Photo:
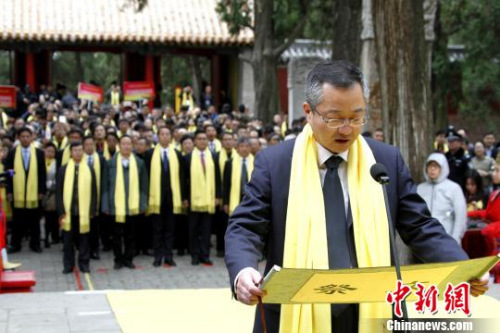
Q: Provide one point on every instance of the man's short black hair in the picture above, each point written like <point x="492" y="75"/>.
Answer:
<point x="24" y="129"/>
<point x="88" y="137"/>
<point x="112" y="134"/>
<point x="198" y="132"/>
<point x="76" y="131"/>
<point x="186" y="137"/>
<point x="163" y="127"/>
<point x="75" y="144"/>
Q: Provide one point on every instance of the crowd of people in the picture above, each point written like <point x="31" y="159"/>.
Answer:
<point x="124" y="177"/>
<point x="136" y="180"/>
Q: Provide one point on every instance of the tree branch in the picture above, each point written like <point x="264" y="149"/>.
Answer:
<point x="291" y="37"/>
<point x="244" y="58"/>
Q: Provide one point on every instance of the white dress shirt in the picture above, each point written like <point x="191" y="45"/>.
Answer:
<point x="323" y="155"/>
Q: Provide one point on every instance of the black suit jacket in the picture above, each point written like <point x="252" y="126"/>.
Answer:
<point x="166" y="189"/>
<point x="61" y="175"/>
<point x="42" y="171"/>
<point x="259" y="221"/>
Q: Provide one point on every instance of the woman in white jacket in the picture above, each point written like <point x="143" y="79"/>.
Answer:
<point x="444" y="197"/>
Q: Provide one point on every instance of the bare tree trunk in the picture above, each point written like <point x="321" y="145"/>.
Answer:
<point x="404" y="77"/>
<point x="264" y="62"/>
<point x="194" y="66"/>
<point x="79" y="67"/>
<point x="346" y="42"/>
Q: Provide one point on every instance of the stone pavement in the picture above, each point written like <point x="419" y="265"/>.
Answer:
<point x="57" y="305"/>
<point x="48" y="269"/>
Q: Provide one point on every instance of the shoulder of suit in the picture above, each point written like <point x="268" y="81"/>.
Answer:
<point x="278" y="151"/>
<point x="378" y="147"/>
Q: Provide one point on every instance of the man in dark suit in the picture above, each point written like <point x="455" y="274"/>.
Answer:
<point x="99" y="166"/>
<point x="335" y="108"/>
<point x="76" y="232"/>
<point x="200" y="218"/>
<point x="163" y="220"/>
<point x="26" y="213"/>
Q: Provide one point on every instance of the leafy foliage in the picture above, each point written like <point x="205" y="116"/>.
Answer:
<point x="4" y="67"/>
<point x="473" y="24"/>
<point x="236" y="13"/>
<point x="102" y="68"/>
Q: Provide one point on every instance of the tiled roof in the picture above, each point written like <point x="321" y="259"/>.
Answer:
<point x="161" y="21"/>
<point x="306" y="48"/>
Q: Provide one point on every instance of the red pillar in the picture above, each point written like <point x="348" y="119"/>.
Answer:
<point x="216" y="79"/>
<point x="30" y="71"/>
<point x="149" y="74"/>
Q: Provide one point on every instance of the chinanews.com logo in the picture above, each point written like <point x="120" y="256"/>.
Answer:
<point x="456" y="299"/>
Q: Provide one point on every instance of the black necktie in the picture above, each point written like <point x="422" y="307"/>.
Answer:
<point x="74" y="208"/>
<point x="244" y="177"/>
<point x="165" y="162"/>
<point x="336" y="222"/>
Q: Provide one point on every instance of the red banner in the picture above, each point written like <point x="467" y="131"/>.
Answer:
<point x="8" y="97"/>
<point x="136" y="91"/>
<point x="89" y="92"/>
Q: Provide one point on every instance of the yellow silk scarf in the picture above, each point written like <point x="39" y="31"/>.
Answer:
<point x="63" y="144"/>
<point x="134" y="189"/>
<point x="202" y="183"/>
<point x="234" y="195"/>
<point x="25" y="195"/>
<point x="3" y="194"/>
<point x="223" y="159"/>
<point x="66" y="155"/>
<point x="305" y="236"/>
<point x="115" y="98"/>
<point x="106" y="154"/>
<point x="5" y="121"/>
<point x="155" y="181"/>
<point x="218" y="145"/>
<point x="84" y="195"/>
<point x="97" y="171"/>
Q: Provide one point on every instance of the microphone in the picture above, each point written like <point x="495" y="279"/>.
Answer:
<point x="378" y="172"/>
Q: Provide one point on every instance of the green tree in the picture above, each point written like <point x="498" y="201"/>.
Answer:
<point x="73" y="67"/>
<point x="4" y="67"/>
<point x="276" y="25"/>
<point x="474" y="81"/>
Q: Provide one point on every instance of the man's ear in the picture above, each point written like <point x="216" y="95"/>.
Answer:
<point x="307" y="110"/>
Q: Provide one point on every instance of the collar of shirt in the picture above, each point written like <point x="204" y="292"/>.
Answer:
<point x="163" y="150"/>
<point x="324" y="154"/>
<point x="89" y="156"/>
<point x="125" y="162"/>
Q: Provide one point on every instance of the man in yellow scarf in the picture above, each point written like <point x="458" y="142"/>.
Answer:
<point x="125" y="196"/>
<point x="311" y="203"/>
<point x="204" y="195"/>
<point x="167" y="195"/>
<point x="237" y="174"/>
<point x="214" y="144"/>
<point x="59" y="132"/>
<point x="221" y="217"/>
<point x="25" y="190"/>
<point x="76" y="198"/>
<point x="99" y="166"/>
<point x="63" y="156"/>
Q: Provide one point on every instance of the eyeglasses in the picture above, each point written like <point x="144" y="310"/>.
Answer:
<point x="339" y="122"/>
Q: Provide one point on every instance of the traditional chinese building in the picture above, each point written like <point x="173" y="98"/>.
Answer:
<point x="32" y="30"/>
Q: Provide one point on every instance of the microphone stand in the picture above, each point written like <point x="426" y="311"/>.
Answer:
<point x="384" y="180"/>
